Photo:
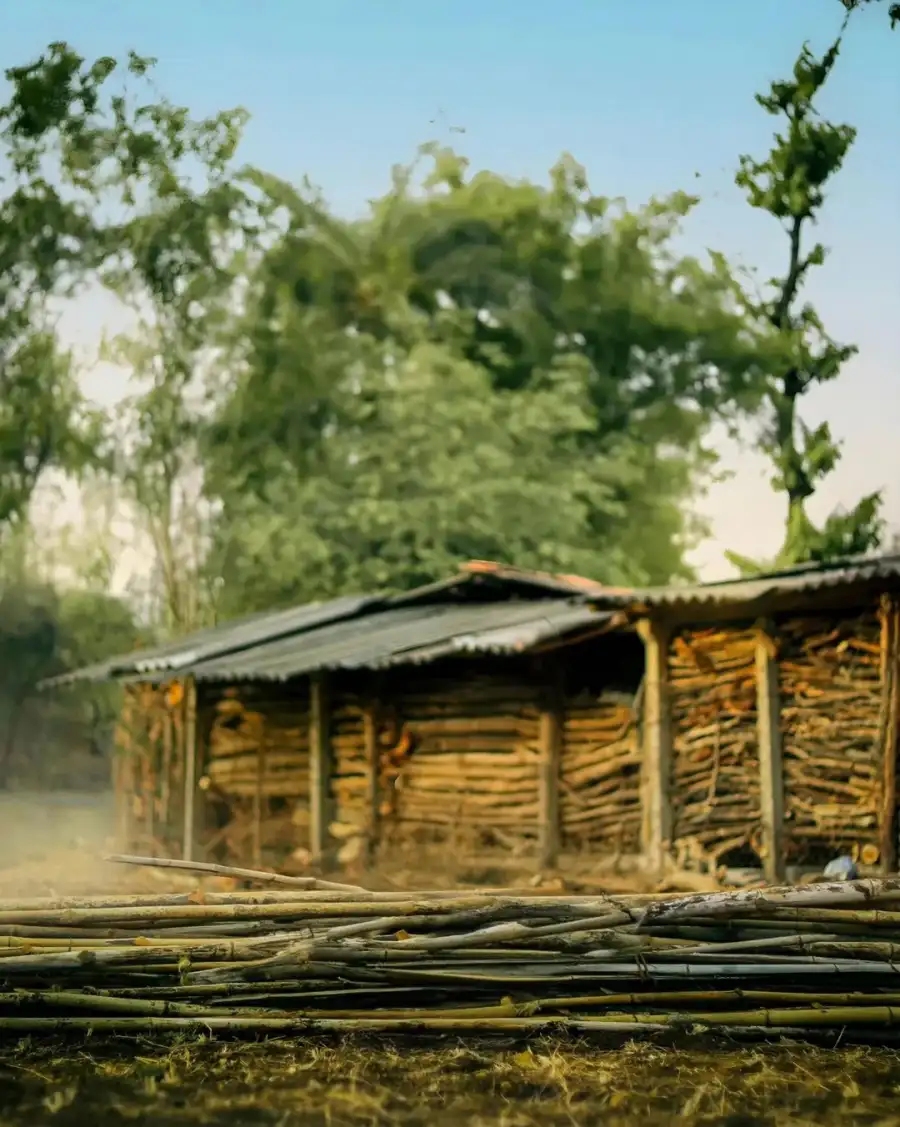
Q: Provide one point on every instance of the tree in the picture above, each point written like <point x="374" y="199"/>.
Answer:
<point x="510" y="284"/>
<point x="790" y="185"/>
<point x="83" y="162"/>
<point x="45" y="631"/>
<point x="430" y="466"/>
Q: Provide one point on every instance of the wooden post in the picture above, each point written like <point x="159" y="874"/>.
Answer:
<point x="372" y="752"/>
<point x="889" y="613"/>
<point x="551" y="723"/>
<point x="259" y="802"/>
<point x="165" y="797"/>
<point x="771" y="771"/>
<point x="190" y="767"/>
<point x="656" y="789"/>
<point x="320" y="770"/>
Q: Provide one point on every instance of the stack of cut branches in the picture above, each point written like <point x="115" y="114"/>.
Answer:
<point x="474" y="756"/>
<point x="308" y="957"/>
<point x="831" y="698"/>
<point x="715" y="760"/>
<point x="600" y="800"/>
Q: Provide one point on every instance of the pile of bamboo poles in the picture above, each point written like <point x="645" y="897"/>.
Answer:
<point x="600" y="794"/>
<point x="715" y="761"/>
<point x="831" y="698"/>
<point x="309" y="957"/>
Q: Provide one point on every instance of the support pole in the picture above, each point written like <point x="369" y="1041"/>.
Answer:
<point x="656" y="788"/>
<point x="190" y="768"/>
<point x="889" y="612"/>
<point x="771" y="770"/>
<point x="370" y="740"/>
<point x="320" y="771"/>
<point x="551" y="723"/>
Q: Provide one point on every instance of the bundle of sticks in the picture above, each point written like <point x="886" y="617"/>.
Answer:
<point x="309" y="957"/>
<point x="474" y="757"/>
<point x="831" y="699"/>
<point x="260" y="736"/>
<point x="715" y="759"/>
<point x="600" y="799"/>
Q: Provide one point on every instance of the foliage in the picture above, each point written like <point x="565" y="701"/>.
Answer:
<point x="577" y="365"/>
<point x="76" y="147"/>
<point x="429" y="466"/>
<point x="43" y="633"/>
<point x="790" y="185"/>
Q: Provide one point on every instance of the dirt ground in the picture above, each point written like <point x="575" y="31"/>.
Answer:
<point x="285" y="1084"/>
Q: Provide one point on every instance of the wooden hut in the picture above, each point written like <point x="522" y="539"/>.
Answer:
<point x="495" y="710"/>
<point x="771" y="719"/>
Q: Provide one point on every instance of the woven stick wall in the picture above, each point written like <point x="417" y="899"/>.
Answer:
<point x="715" y="762"/>
<point x="600" y="796"/>
<point x="831" y="698"/>
<point x="256" y="763"/>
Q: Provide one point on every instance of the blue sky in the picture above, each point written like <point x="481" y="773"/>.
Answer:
<point x="645" y="93"/>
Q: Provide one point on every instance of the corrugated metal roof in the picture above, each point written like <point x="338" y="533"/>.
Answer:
<point x="405" y="635"/>
<point x="482" y="581"/>
<point x="231" y="637"/>
<point x="804" y="577"/>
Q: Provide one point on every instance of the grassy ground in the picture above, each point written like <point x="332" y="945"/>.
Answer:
<point x="288" y="1084"/>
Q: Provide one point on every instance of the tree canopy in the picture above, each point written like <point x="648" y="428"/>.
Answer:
<point x="479" y="367"/>
<point x="95" y="189"/>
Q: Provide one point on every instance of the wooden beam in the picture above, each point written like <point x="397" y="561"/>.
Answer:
<point x="656" y="782"/>
<point x="771" y="770"/>
<point x="889" y="612"/>
<point x="320" y="771"/>
<point x="551" y="730"/>
<point x="373" y="766"/>
<point x="190" y="769"/>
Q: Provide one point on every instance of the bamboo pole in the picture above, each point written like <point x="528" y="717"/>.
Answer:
<point x="890" y="687"/>
<point x="656" y="830"/>
<point x="190" y="768"/>
<point x="320" y="771"/>
<point x="771" y="772"/>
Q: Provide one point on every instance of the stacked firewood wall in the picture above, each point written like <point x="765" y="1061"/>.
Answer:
<point x="256" y="763"/>
<point x="460" y="759"/>
<point x="715" y="787"/>
<point x="148" y="770"/>
<point x="831" y="700"/>
<point x="600" y="786"/>
<point x="351" y="773"/>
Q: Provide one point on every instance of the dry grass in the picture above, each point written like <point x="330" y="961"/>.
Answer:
<point x="547" y="1084"/>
